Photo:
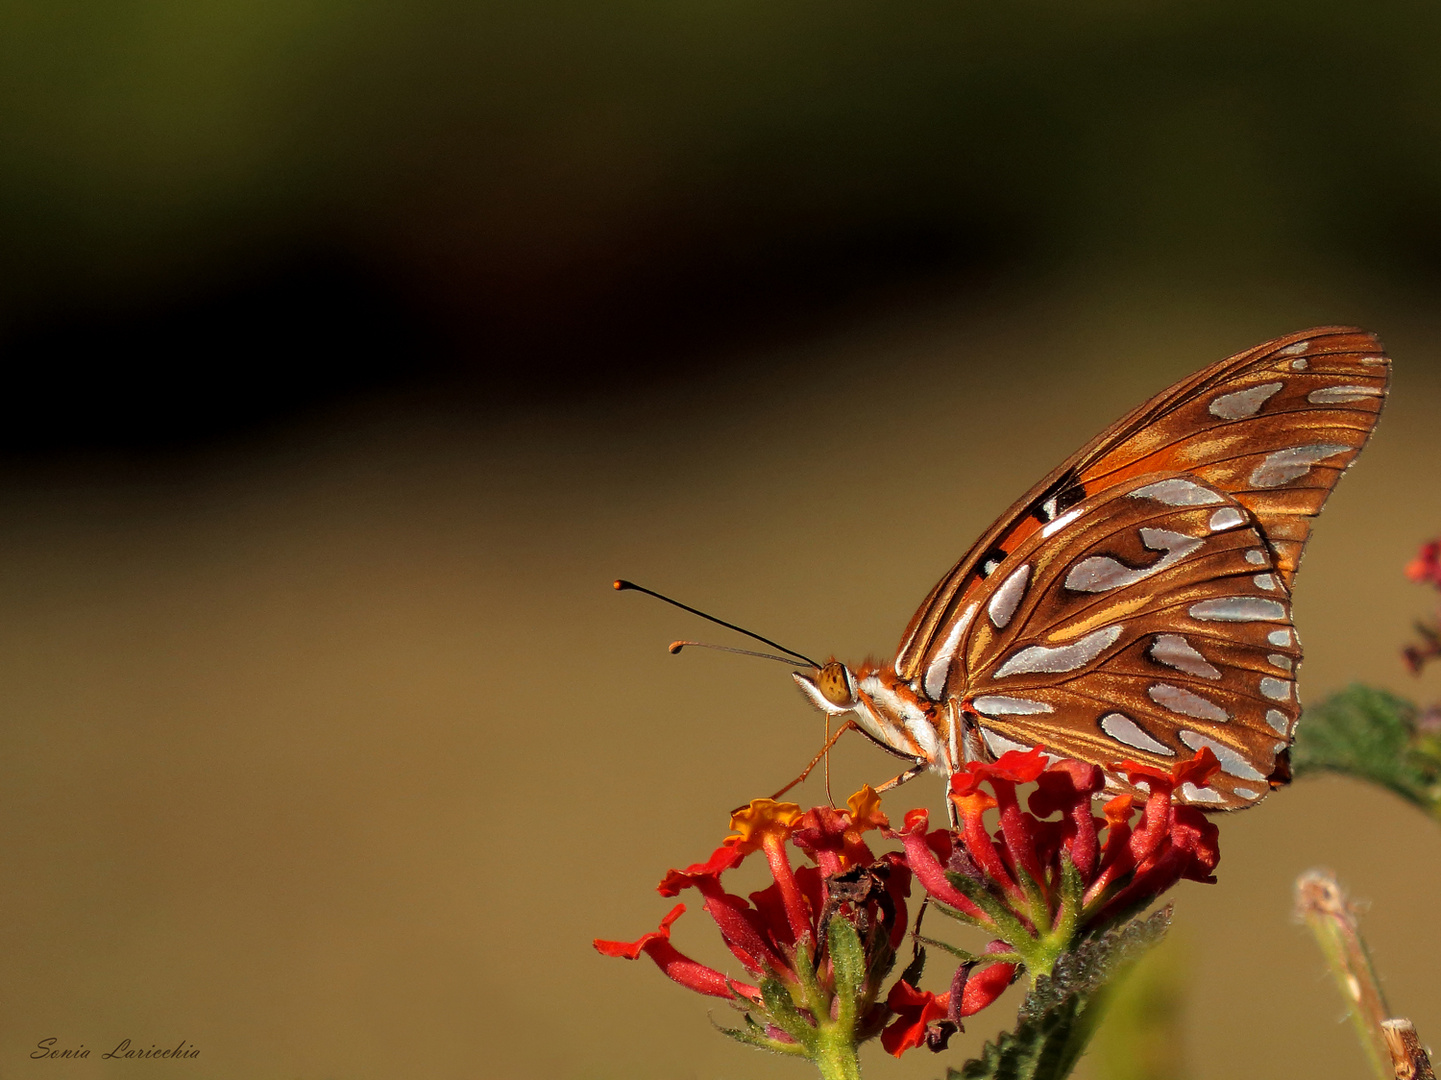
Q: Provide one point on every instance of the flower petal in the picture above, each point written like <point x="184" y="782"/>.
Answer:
<point x="702" y="875"/>
<point x="915" y="1010"/>
<point x="675" y="964"/>
<point x="763" y="818"/>
<point x="985" y="985"/>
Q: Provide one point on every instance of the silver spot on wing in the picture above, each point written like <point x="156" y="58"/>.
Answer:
<point x="1244" y="403"/>
<point x="999" y="744"/>
<point x="1256" y="557"/>
<point x="1007" y="598"/>
<point x="1191" y="793"/>
<point x="1001" y="705"/>
<point x="1101" y="573"/>
<point x="1281" y="661"/>
<point x="1246" y="793"/>
<point x="1276" y="689"/>
<point x="1228" y="517"/>
<point x="940" y="667"/>
<point x="1176" y="545"/>
<point x="1125" y="730"/>
<point x="1175" y="651"/>
<point x="1177" y="492"/>
<point x="1266" y="581"/>
<point x="1232" y="763"/>
<point x="1283" y="466"/>
<point x="1340" y="395"/>
<point x="1299" y="365"/>
<point x="1294" y="350"/>
<point x="1279" y="721"/>
<point x="1051" y="528"/>
<point x="1279" y="637"/>
<point x="1184" y="703"/>
<point x="1238" y="609"/>
<point x="1040" y="658"/>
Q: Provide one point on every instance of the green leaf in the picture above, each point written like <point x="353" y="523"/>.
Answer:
<point x="760" y="1040"/>
<point x="965" y="956"/>
<point x="1073" y="891"/>
<point x="782" y="1011"/>
<point x="1007" y="925"/>
<point x="1062" y="1010"/>
<point x="1372" y="735"/>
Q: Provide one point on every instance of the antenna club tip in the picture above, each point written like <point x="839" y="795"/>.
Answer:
<point x="619" y="584"/>
<point x="676" y="646"/>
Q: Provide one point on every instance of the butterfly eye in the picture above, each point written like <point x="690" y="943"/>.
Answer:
<point x="834" y="683"/>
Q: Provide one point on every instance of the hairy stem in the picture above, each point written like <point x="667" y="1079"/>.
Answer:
<point x="1322" y="905"/>
<point x="836" y="1057"/>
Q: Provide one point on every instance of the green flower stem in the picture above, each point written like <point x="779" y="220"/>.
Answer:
<point x="835" y="1056"/>
<point x="834" y="1049"/>
<point x="1039" y="954"/>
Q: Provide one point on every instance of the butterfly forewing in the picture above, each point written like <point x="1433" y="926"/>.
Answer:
<point x="1150" y="621"/>
<point x="1272" y="427"/>
<point x="1275" y="431"/>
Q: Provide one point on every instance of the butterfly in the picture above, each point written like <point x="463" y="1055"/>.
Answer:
<point x="1136" y="603"/>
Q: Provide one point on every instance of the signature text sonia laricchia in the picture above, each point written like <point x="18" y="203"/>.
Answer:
<point x="50" y="1048"/>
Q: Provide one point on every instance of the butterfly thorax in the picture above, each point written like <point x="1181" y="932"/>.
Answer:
<point x="885" y="707"/>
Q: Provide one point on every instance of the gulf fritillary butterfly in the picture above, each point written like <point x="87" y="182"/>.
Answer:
<point x="1136" y="602"/>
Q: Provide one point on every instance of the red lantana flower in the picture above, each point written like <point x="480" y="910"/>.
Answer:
<point x="1425" y="569"/>
<point x="927" y="1019"/>
<point x="817" y="943"/>
<point x="1049" y="874"/>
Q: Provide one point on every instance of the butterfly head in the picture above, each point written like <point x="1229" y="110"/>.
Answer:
<point x="883" y="707"/>
<point x="832" y="689"/>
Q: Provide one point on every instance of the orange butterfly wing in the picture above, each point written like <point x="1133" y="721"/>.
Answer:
<point x="1150" y="623"/>
<point x="1272" y="427"/>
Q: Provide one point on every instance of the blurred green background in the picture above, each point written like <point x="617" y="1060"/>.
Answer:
<point x="308" y="198"/>
<point x="353" y="349"/>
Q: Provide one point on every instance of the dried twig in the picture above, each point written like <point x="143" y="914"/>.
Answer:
<point x="1408" y="1056"/>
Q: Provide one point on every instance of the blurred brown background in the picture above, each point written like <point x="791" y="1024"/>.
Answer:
<point x="353" y="349"/>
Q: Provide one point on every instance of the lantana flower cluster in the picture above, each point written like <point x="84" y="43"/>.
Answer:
<point x="819" y="942"/>
<point x="1049" y="875"/>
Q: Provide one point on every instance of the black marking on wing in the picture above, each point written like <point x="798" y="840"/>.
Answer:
<point x="1058" y="497"/>
<point x="991" y="560"/>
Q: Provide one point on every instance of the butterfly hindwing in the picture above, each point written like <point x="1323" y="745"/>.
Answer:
<point x="1272" y="427"/>
<point x="1146" y="622"/>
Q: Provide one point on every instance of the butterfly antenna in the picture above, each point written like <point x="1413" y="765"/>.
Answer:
<point x="622" y="586"/>
<point x="677" y="646"/>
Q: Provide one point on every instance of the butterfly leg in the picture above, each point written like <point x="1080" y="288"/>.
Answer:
<point x="910" y="774"/>
<point x="817" y="759"/>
